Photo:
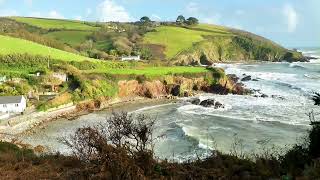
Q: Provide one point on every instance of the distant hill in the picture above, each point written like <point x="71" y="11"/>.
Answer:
<point x="10" y="45"/>
<point x="181" y="45"/>
<point x="56" y="23"/>
<point x="206" y="44"/>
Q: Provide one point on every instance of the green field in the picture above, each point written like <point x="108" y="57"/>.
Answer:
<point x="11" y="45"/>
<point x="55" y="24"/>
<point x="70" y="37"/>
<point x="177" y="39"/>
<point x="151" y="71"/>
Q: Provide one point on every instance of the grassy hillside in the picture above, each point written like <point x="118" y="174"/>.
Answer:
<point x="56" y="24"/>
<point x="150" y="71"/>
<point x="11" y="45"/>
<point x="205" y="44"/>
<point x="69" y="37"/>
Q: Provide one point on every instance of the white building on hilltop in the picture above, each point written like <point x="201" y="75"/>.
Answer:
<point x="130" y="58"/>
<point x="12" y="104"/>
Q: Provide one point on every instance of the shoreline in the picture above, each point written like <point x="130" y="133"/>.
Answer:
<point x="39" y="120"/>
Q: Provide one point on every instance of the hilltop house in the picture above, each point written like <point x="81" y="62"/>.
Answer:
<point x="130" y="58"/>
<point x="12" y="104"/>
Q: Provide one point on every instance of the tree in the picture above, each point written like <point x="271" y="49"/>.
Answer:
<point x="181" y="20"/>
<point x="145" y="20"/>
<point x="192" y="21"/>
<point x="316" y="99"/>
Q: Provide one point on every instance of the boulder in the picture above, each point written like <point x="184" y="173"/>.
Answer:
<point x="233" y="77"/>
<point x="278" y="97"/>
<point x="195" y="101"/>
<point x="264" y="96"/>
<point x="173" y="89"/>
<point x="246" y="78"/>
<point x="218" y="105"/>
<point x="208" y="103"/>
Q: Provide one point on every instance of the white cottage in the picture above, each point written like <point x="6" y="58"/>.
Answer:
<point x="12" y="104"/>
<point x="130" y="58"/>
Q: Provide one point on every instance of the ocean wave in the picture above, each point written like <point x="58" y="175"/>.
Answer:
<point x="296" y="66"/>
<point x="312" y="76"/>
<point x="151" y="107"/>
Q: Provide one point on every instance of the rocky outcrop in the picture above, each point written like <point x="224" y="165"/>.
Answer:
<point x="243" y="47"/>
<point x="246" y="78"/>
<point x="207" y="103"/>
<point x="178" y="86"/>
<point x="153" y="89"/>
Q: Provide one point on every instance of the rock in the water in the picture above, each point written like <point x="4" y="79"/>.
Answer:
<point x="264" y="96"/>
<point x="255" y="80"/>
<point x="218" y="105"/>
<point x="278" y="97"/>
<point x="195" y="101"/>
<point x="233" y="77"/>
<point x="208" y="103"/>
<point x="247" y="78"/>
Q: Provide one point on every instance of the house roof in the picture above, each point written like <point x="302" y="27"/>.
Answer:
<point x="10" y="99"/>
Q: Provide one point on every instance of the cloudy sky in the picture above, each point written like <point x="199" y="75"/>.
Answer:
<point x="292" y="23"/>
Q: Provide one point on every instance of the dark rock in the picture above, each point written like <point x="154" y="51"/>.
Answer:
<point x="278" y="97"/>
<point x="219" y="89"/>
<point x="173" y="89"/>
<point x="233" y="77"/>
<point x="239" y="89"/>
<point x="195" y="101"/>
<point x="218" y="105"/>
<point x="247" y="78"/>
<point x="264" y="96"/>
<point x="255" y="80"/>
<point x="208" y="103"/>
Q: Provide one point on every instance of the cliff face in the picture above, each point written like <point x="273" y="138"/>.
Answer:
<point x="177" y="86"/>
<point x="244" y="47"/>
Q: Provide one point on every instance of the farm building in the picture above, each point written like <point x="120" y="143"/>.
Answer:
<point x="130" y="58"/>
<point x="12" y="104"/>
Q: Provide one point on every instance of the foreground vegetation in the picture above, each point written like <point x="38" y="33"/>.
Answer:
<point x="122" y="149"/>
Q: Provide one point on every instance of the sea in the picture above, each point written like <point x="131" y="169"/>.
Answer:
<point x="248" y="124"/>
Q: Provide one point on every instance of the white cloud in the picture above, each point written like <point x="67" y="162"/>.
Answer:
<point x="291" y="17"/>
<point x="28" y="2"/>
<point x="88" y="12"/>
<point x="155" y="17"/>
<point x="192" y="7"/>
<point x="79" y="18"/>
<point x="54" y="15"/>
<point x="109" y="10"/>
<point x="212" y="19"/>
<point x="8" y="12"/>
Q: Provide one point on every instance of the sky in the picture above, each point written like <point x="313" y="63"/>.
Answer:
<point x="291" y="23"/>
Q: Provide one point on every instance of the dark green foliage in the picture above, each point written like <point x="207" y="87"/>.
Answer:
<point x="316" y="99"/>
<point x="192" y="21"/>
<point x="145" y="20"/>
<point x="180" y="20"/>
